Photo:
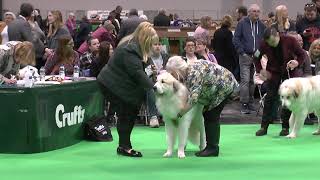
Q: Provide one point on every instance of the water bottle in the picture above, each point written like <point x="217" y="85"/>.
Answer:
<point x="28" y="82"/>
<point x="62" y="73"/>
<point x="76" y="71"/>
<point x="42" y="73"/>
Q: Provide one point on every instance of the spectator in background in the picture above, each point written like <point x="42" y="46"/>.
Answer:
<point x="103" y="33"/>
<point x="161" y="19"/>
<point x="156" y="63"/>
<point x="203" y="50"/>
<point x="38" y="19"/>
<point x="189" y="53"/>
<point x="56" y="30"/>
<point x="19" y="29"/>
<point x="309" y="26"/>
<point x="129" y="25"/>
<point x="114" y="21"/>
<point x="63" y="55"/>
<point x="117" y="13"/>
<point x="105" y="52"/>
<point x="317" y="3"/>
<point x="88" y="57"/>
<point x="223" y="47"/>
<point x="71" y="24"/>
<point x="38" y="39"/>
<point x="247" y="37"/>
<point x="271" y="19"/>
<point x="241" y="12"/>
<point x="314" y="53"/>
<point x="8" y="18"/>
<point x="13" y="55"/>
<point x="202" y="31"/>
<point x="305" y="68"/>
<point x="84" y="31"/>
<point x="283" y="24"/>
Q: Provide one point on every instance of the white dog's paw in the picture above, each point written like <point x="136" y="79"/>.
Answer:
<point x="181" y="154"/>
<point x="291" y="136"/>
<point x="317" y="132"/>
<point x="167" y="154"/>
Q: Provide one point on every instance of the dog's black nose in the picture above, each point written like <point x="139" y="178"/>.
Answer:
<point x="154" y="88"/>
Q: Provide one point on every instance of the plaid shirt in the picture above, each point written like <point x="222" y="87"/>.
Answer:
<point x="86" y="60"/>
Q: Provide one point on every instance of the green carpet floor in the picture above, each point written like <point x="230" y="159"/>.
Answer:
<point x="243" y="157"/>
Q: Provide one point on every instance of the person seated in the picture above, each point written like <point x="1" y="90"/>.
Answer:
<point x="189" y="53"/>
<point x="203" y="50"/>
<point x="63" y="55"/>
<point x="105" y="52"/>
<point x="156" y="63"/>
<point x="88" y="57"/>
<point x="13" y="55"/>
<point x="103" y="33"/>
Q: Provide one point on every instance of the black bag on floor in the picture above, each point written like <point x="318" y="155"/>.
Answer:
<point x="96" y="129"/>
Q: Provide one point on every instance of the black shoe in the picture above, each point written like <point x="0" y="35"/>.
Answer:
<point x="207" y="152"/>
<point x="261" y="132"/>
<point x="308" y="121"/>
<point x="128" y="152"/>
<point x="245" y="109"/>
<point x="284" y="132"/>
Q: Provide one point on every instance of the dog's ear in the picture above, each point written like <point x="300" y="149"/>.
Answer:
<point x="297" y="90"/>
<point x="175" y="86"/>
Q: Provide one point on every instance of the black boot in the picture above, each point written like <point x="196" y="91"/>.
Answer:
<point x="263" y="130"/>
<point x="213" y="138"/>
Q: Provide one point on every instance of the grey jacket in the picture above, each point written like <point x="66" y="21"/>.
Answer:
<point x="19" y="30"/>
<point x="52" y="42"/>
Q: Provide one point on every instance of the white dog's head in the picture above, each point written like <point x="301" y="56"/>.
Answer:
<point x="166" y="84"/>
<point x="289" y="91"/>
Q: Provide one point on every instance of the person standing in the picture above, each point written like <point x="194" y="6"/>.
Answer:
<point x="246" y="40"/>
<point x="124" y="82"/>
<point x="284" y="56"/>
<point x="161" y="19"/>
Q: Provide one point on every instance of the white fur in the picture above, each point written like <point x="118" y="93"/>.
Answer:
<point x="171" y="98"/>
<point x="301" y="96"/>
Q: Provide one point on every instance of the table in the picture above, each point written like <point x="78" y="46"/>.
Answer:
<point x="45" y="118"/>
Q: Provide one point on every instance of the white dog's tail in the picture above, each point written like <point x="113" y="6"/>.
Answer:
<point x="194" y="136"/>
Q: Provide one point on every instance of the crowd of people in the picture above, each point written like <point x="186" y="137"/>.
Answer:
<point x="126" y="55"/>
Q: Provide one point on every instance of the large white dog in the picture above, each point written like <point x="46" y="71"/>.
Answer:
<point x="301" y="96"/>
<point x="171" y="98"/>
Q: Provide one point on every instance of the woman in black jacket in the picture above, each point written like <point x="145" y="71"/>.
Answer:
<point x="223" y="47"/>
<point x="125" y="83"/>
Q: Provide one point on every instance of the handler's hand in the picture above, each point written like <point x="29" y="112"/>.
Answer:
<point x="264" y="75"/>
<point x="292" y="64"/>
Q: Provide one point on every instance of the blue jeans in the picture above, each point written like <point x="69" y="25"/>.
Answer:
<point x="151" y="103"/>
<point x="246" y="75"/>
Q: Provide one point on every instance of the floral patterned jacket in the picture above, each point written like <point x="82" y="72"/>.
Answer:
<point x="209" y="84"/>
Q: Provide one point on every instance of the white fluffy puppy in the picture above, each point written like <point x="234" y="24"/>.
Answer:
<point x="171" y="99"/>
<point x="301" y="96"/>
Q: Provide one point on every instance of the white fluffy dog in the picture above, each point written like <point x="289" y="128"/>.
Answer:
<point x="171" y="98"/>
<point x="301" y="96"/>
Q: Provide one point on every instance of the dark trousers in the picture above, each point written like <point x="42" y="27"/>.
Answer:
<point x="271" y="104"/>
<point x="127" y="114"/>
<point x="212" y="124"/>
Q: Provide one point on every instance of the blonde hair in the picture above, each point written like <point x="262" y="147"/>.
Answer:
<point x="311" y="49"/>
<point x="283" y="22"/>
<point x="58" y="22"/>
<point x="145" y="36"/>
<point x="227" y="21"/>
<point x="25" y="53"/>
<point x="206" y="22"/>
<point x="176" y="65"/>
